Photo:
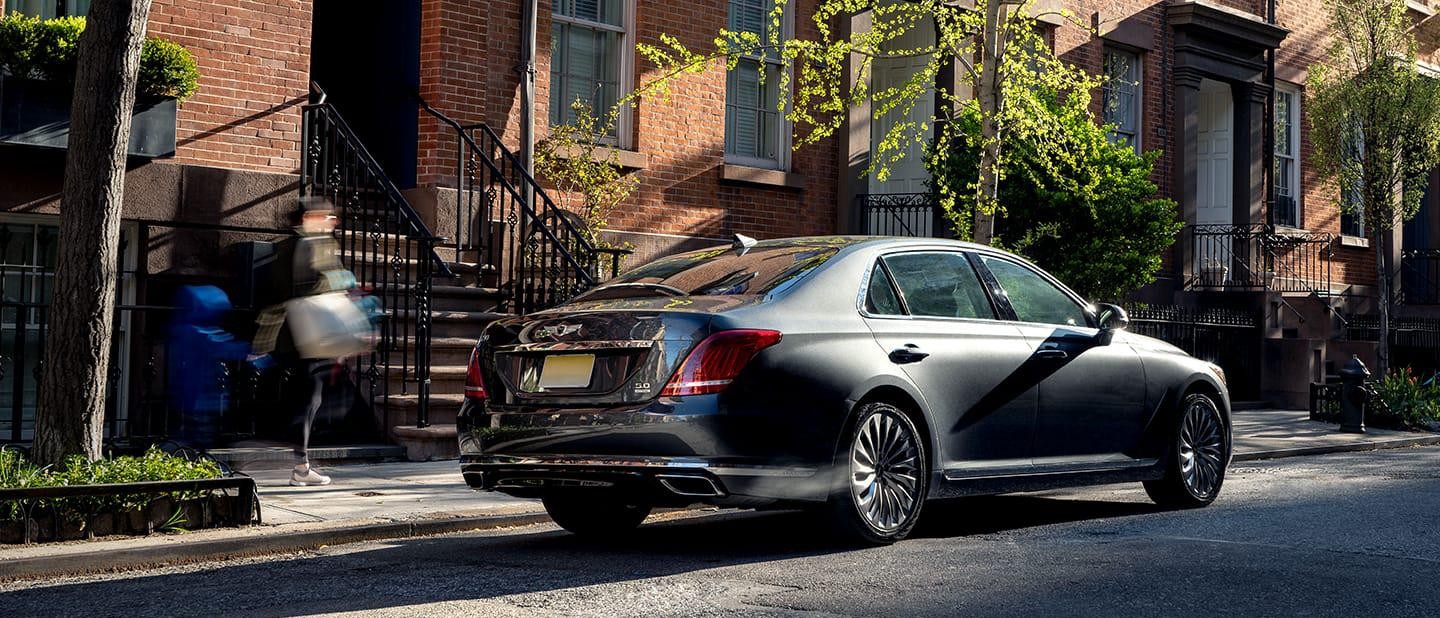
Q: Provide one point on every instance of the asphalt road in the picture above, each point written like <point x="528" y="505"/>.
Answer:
<point x="1351" y="534"/>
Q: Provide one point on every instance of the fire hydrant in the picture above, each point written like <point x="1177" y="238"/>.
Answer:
<point x="1353" y="394"/>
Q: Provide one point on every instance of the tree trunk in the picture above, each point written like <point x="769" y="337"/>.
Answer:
<point x="70" y="413"/>
<point x="1382" y="351"/>
<point x="988" y="93"/>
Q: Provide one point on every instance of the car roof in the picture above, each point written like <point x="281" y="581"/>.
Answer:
<point x="842" y="241"/>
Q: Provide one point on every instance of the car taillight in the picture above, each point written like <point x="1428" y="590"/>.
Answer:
<point x="715" y="362"/>
<point x="474" y="383"/>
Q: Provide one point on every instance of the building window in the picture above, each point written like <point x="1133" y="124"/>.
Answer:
<point x="590" y="58"/>
<point x="755" y="131"/>
<point x="1352" y="215"/>
<point x="1121" y="96"/>
<point x="46" y="9"/>
<point x="1287" y="157"/>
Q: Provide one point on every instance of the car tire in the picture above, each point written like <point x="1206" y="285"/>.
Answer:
<point x="594" y="513"/>
<point x="883" y="477"/>
<point x="1196" y="460"/>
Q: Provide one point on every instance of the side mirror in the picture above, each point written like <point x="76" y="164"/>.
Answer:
<point x="1112" y="317"/>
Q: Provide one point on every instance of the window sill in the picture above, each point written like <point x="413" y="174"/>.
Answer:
<point x="744" y="174"/>
<point x="1356" y="242"/>
<point x="627" y="159"/>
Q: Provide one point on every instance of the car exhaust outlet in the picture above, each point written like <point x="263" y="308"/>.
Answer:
<point x="685" y="485"/>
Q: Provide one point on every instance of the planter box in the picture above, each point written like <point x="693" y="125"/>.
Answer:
<point x="44" y="526"/>
<point x="37" y="113"/>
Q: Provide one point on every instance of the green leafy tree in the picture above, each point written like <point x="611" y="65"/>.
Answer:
<point x="1375" y="126"/>
<point x="816" y="94"/>
<point x="1081" y="206"/>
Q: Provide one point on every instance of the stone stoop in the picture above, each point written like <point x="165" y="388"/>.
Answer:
<point x="460" y="311"/>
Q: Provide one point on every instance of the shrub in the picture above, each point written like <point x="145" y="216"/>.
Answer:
<point x="18" y="39"/>
<point x="1409" y="402"/>
<point x="33" y="48"/>
<point x="167" y="70"/>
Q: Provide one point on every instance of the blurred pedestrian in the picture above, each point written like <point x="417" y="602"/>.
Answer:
<point x="195" y="357"/>
<point x="309" y="292"/>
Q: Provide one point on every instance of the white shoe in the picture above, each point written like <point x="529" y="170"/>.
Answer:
<point x="309" y="478"/>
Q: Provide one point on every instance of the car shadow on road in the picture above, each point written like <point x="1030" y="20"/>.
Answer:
<point x="465" y="567"/>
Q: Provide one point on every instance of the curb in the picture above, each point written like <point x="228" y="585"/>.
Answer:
<point x="112" y="560"/>
<point x="1338" y="448"/>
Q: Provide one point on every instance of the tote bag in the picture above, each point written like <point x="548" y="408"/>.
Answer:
<point x="329" y="325"/>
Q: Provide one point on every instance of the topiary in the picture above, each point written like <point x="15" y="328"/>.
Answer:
<point x="18" y="35"/>
<point x="167" y="70"/>
<point x="48" y="49"/>
<point x="57" y="48"/>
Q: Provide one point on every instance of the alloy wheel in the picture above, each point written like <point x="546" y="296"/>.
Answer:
<point x="1202" y="448"/>
<point x="885" y="472"/>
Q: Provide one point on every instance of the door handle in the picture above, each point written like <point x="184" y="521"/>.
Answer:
<point x="911" y="353"/>
<point x="1052" y="354"/>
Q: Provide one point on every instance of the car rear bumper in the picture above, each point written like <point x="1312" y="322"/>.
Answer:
<point x="669" y="451"/>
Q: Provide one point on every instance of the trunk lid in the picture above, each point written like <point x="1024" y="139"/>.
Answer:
<point x="598" y="354"/>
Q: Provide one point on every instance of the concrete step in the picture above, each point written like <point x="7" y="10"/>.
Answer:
<point x="404" y="409"/>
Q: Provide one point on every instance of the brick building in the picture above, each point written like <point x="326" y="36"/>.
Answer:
<point x="713" y="161"/>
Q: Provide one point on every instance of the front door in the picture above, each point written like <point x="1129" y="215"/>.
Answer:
<point x="940" y="329"/>
<point x="1214" y="181"/>
<point x="908" y="173"/>
<point x="1091" y="407"/>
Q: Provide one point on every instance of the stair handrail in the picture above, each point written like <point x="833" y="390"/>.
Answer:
<point x="419" y="231"/>
<point x="582" y="272"/>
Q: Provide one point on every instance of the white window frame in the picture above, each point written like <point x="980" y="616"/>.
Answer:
<point x="1296" y="189"/>
<point x="782" y="127"/>
<point x="1137" y="107"/>
<point x="625" y="49"/>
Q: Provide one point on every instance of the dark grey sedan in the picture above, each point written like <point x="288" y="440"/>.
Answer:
<point x="858" y="376"/>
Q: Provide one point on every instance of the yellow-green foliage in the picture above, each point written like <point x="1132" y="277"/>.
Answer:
<point x="821" y="96"/>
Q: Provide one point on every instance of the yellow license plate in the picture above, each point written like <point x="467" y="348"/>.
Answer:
<point x="567" y="371"/>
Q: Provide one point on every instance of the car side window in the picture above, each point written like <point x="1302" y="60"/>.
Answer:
<point x="880" y="297"/>
<point x="1032" y="296"/>
<point x="940" y="284"/>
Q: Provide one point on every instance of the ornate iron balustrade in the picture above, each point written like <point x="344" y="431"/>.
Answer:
<point x="538" y="251"/>
<point x="385" y="244"/>
<point x="1256" y="258"/>
<point x="1419" y="277"/>
<point x="901" y="214"/>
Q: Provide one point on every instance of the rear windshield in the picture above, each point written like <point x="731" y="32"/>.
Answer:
<point x="721" y="271"/>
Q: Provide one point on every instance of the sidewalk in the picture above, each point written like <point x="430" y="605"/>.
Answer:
<point x="396" y="500"/>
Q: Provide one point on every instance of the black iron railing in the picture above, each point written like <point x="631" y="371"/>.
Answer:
<point x="901" y="214"/>
<point x="539" y="252"/>
<point x="1226" y="337"/>
<point x="1419" y="277"/>
<point x="384" y="242"/>
<point x="1414" y="341"/>
<point x="1257" y="258"/>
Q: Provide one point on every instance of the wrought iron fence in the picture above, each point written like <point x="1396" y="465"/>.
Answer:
<point x="385" y="244"/>
<point x="901" y="214"/>
<point x="1414" y="342"/>
<point x="540" y="254"/>
<point x="1419" y="277"/>
<point x="1256" y="258"/>
<point x="1226" y="337"/>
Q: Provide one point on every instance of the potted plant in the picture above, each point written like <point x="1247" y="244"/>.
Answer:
<point x="37" y="72"/>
